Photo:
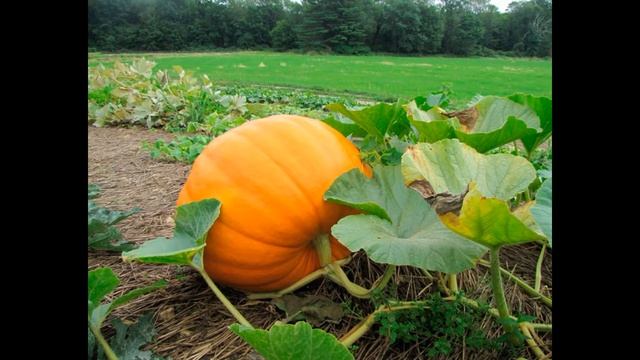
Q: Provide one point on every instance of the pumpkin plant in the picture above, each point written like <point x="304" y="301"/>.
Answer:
<point x="103" y="281"/>
<point x="278" y="202"/>
<point x="489" y="181"/>
<point x="487" y="123"/>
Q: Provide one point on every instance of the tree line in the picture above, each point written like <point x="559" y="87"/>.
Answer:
<point x="457" y="27"/>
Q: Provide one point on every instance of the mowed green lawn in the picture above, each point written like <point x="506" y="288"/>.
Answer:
<point x="378" y="76"/>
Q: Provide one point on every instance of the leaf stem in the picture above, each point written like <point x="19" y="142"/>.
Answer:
<point x="526" y="287"/>
<point x="494" y="312"/>
<point x="498" y="290"/>
<point x="538" y="280"/>
<point x="232" y="309"/>
<point x="337" y="275"/>
<point x="453" y="283"/>
<point x="427" y="274"/>
<point x="105" y="345"/>
<point x="295" y="286"/>
<point x="533" y="345"/>
<point x="365" y="325"/>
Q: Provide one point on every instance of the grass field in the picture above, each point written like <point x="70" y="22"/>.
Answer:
<point x="382" y="77"/>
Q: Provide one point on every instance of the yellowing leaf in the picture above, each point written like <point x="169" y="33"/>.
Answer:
<point x="489" y="221"/>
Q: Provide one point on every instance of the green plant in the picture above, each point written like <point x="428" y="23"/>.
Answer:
<point x="440" y="204"/>
<point x="183" y="149"/>
<point x="443" y="323"/>
<point x="128" y="340"/>
<point x="103" y="235"/>
<point x="101" y="96"/>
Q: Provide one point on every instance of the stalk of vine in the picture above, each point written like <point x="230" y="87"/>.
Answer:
<point x="498" y="291"/>
<point x="105" y="345"/>
<point x="227" y="304"/>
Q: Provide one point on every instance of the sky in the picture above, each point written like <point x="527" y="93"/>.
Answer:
<point x="501" y="4"/>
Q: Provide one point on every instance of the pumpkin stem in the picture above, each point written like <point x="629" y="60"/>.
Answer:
<point x="323" y="248"/>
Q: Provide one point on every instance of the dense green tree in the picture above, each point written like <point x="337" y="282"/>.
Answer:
<point x="529" y="27"/>
<point x="283" y="36"/>
<point x="333" y="25"/>
<point x="462" y="27"/>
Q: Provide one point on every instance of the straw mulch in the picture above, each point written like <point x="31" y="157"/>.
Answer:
<point x="192" y="324"/>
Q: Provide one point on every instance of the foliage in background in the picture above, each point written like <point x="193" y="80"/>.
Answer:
<point x="462" y="27"/>
<point x="183" y="149"/>
<point x="176" y="100"/>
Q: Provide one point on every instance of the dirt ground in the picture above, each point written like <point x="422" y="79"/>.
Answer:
<point x="192" y="324"/>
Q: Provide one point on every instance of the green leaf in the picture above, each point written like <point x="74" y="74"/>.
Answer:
<point x="403" y="229"/>
<point x="489" y="221"/>
<point x="449" y="166"/>
<point x="378" y="120"/>
<point x="494" y="121"/>
<point x="350" y="190"/>
<point x="314" y="308"/>
<point x="134" y="294"/>
<point x="193" y="222"/>
<point x="102" y="281"/>
<point x="97" y="316"/>
<point x="102" y="234"/>
<point x="512" y="130"/>
<point x="542" y="107"/>
<point x="431" y="125"/>
<point x="107" y="238"/>
<point x="128" y="340"/>
<point x="493" y="111"/>
<point x="541" y="211"/>
<point x="94" y="191"/>
<point x="299" y="342"/>
<point x="345" y="126"/>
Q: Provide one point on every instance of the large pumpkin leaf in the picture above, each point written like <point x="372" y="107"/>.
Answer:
<point x="378" y="120"/>
<point x="542" y="107"/>
<point x="403" y="229"/>
<point x="299" y="341"/>
<point x="193" y="222"/>
<point x="541" y="211"/>
<point x="449" y="166"/>
<point x="431" y="125"/>
<point x="494" y="121"/>
<point x="489" y="221"/>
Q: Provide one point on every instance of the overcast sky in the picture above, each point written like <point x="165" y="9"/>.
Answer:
<point x="501" y="4"/>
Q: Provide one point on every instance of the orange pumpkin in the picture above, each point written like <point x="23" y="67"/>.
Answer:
<point x="270" y="175"/>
